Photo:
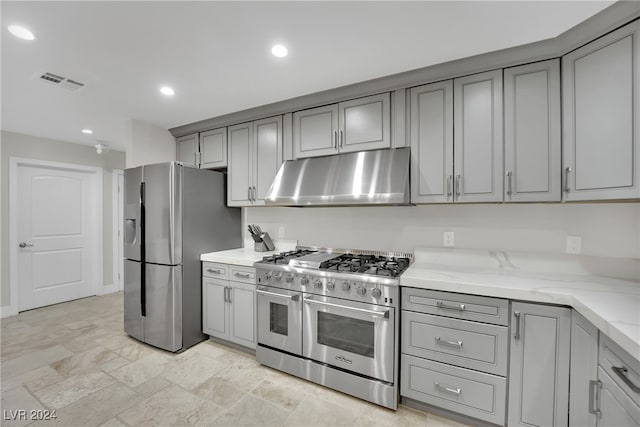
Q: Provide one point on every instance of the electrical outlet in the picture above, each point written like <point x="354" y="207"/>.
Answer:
<point x="574" y="245"/>
<point x="447" y="239"/>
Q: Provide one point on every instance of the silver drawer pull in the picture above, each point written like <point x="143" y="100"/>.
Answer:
<point x="295" y="297"/>
<point x="594" y="397"/>
<point x="245" y="275"/>
<point x="457" y="344"/>
<point x="385" y="314"/>
<point x="622" y="372"/>
<point x="459" y="307"/>
<point x="455" y="391"/>
<point x="214" y="270"/>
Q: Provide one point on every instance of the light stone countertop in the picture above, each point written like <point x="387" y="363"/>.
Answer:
<point x="612" y="305"/>
<point x="247" y="256"/>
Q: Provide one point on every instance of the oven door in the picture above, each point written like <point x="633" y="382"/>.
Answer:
<point x="280" y="319"/>
<point x="354" y="336"/>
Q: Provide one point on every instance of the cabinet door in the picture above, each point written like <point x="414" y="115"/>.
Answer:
<point x="240" y="176"/>
<point x="478" y="137"/>
<point x="616" y="408"/>
<point x="213" y="148"/>
<point x="315" y="132"/>
<point x="584" y="368"/>
<point x="187" y="149"/>
<point x="241" y="317"/>
<point x="432" y="143"/>
<point x="267" y="155"/>
<point x="214" y="308"/>
<point x="532" y="132"/>
<point x="601" y="91"/>
<point x="539" y="365"/>
<point x="364" y="123"/>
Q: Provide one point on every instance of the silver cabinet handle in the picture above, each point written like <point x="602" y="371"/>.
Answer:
<point x="334" y="137"/>
<point x="214" y="270"/>
<point x="622" y="372"/>
<point x="458" y="307"/>
<point x="384" y="314"/>
<point x="458" y="185"/>
<point x="228" y="294"/>
<point x="449" y="181"/>
<point x="594" y="397"/>
<point x="249" y="193"/>
<point x="567" y="171"/>
<point x="24" y="245"/>
<point x="455" y="391"/>
<point x="295" y="297"/>
<point x="195" y="158"/>
<point x="457" y="344"/>
<point x="516" y="333"/>
<point x="226" y="299"/>
<point x="341" y="138"/>
<point x="245" y="275"/>
<point x="254" y="194"/>
<point x="509" y="188"/>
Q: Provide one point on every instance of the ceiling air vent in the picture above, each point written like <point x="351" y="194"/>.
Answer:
<point x="63" y="82"/>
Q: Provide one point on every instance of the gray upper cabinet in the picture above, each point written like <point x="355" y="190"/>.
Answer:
<point x="478" y="143"/>
<point x="187" y="149"/>
<point x="431" y="135"/>
<point x="601" y="92"/>
<point x="213" y="149"/>
<point x="355" y="125"/>
<point x="584" y="371"/>
<point x="255" y="154"/>
<point x="539" y="365"/>
<point x="532" y="132"/>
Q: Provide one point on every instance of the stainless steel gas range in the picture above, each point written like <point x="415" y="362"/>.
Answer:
<point x="329" y="316"/>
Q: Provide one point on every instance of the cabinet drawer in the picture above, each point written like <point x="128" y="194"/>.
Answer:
<point x="242" y="274"/>
<point x="215" y="270"/>
<point x="467" y="392"/>
<point x="459" y="342"/>
<point x="460" y="306"/>
<point x="617" y="409"/>
<point x="621" y="367"/>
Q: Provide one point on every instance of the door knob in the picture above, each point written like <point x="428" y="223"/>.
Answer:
<point x="24" y="245"/>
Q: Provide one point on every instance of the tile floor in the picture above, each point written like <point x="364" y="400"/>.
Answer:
<point x="74" y="358"/>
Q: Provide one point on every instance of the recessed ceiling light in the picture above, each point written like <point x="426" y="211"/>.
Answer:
<point x="166" y="90"/>
<point x="279" y="51"/>
<point x="21" y="32"/>
<point x="87" y="131"/>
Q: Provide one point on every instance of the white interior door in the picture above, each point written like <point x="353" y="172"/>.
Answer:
<point x="56" y="216"/>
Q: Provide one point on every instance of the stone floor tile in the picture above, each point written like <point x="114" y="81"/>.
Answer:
<point x="251" y="411"/>
<point x="152" y="386"/>
<point x="279" y="393"/>
<point x="141" y="370"/>
<point x="30" y="361"/>
<point x="220" y="392"/>
<point x="317" y="412"/>
<point x="113" y="422"/>
<point x="193" y="370"/>
<point x="169" y="407"/>
<point x="82" y="362"/>
<point x="65" y="392"/>
<point x="27" y="377"/>
<point x="17" y="405"/>
<point x="377" y="416"/>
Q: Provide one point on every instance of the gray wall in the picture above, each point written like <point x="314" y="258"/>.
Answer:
<point x="32" y="147"/>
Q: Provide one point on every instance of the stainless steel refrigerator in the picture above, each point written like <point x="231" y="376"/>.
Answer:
<point x="173" y="213"/>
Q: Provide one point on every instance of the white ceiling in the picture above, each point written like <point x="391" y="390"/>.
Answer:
<point x="216" y="55"/>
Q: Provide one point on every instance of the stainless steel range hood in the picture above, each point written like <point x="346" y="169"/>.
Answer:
<point x="379" y="177"/>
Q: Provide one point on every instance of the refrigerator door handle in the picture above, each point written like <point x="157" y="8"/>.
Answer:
<point x="143" y="278"/>
<point x="172" y="215"/>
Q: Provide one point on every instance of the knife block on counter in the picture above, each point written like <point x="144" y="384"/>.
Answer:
<point x="265" y="245"/>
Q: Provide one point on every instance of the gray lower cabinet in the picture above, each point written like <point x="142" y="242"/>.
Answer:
<point x="354" y="125"/>
<point x="532" y="132"/>
<point x="255" y="155"/>
<point x="539" y="365"/>
<point x="478" y="144"/>
<point x="187" y="149"/>
<point x="229" y="305"/>
<point x="601" y="100"/>
<point x="584" y="371"/>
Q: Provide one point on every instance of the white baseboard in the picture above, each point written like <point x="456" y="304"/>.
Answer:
<point x="7" y="310"/>
<point x="109" y="289"/>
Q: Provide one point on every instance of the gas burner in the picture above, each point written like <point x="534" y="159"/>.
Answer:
<point x="367" y="264"/>
<point x="283" y="258"/>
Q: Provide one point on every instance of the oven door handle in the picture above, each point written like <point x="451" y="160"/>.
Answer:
<point x="385" y="314"/>
<point x="273" y="294"/>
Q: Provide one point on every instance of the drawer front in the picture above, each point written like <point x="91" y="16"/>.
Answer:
<point x="467" y="344"/>
<point x="215" y="270"/>
<point x="242" y="274"/>
<point x="617" y="409"/>
<point x="459" y="306"/>
<point x="467" y="392"/>
<point x="621" y="367"/>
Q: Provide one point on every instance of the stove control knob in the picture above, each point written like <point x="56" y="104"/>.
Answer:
<point x="331" y="285"/>
<point x="304" y="281"/>
<point x="376" y="292"/>
<point x="361" y="290"/>
<point x="278" y="277"/>
<point x="318" y="284"/>
<point x="268" y="275"/>
<point x="346" y="287"/>
<point x="289" y="278"/>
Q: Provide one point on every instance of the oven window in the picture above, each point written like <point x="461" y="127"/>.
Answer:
<point x="279" y="318"/>
<point x="346" y="333"/>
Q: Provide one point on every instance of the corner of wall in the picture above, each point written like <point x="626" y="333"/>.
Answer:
<point x="147" y="143"/>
